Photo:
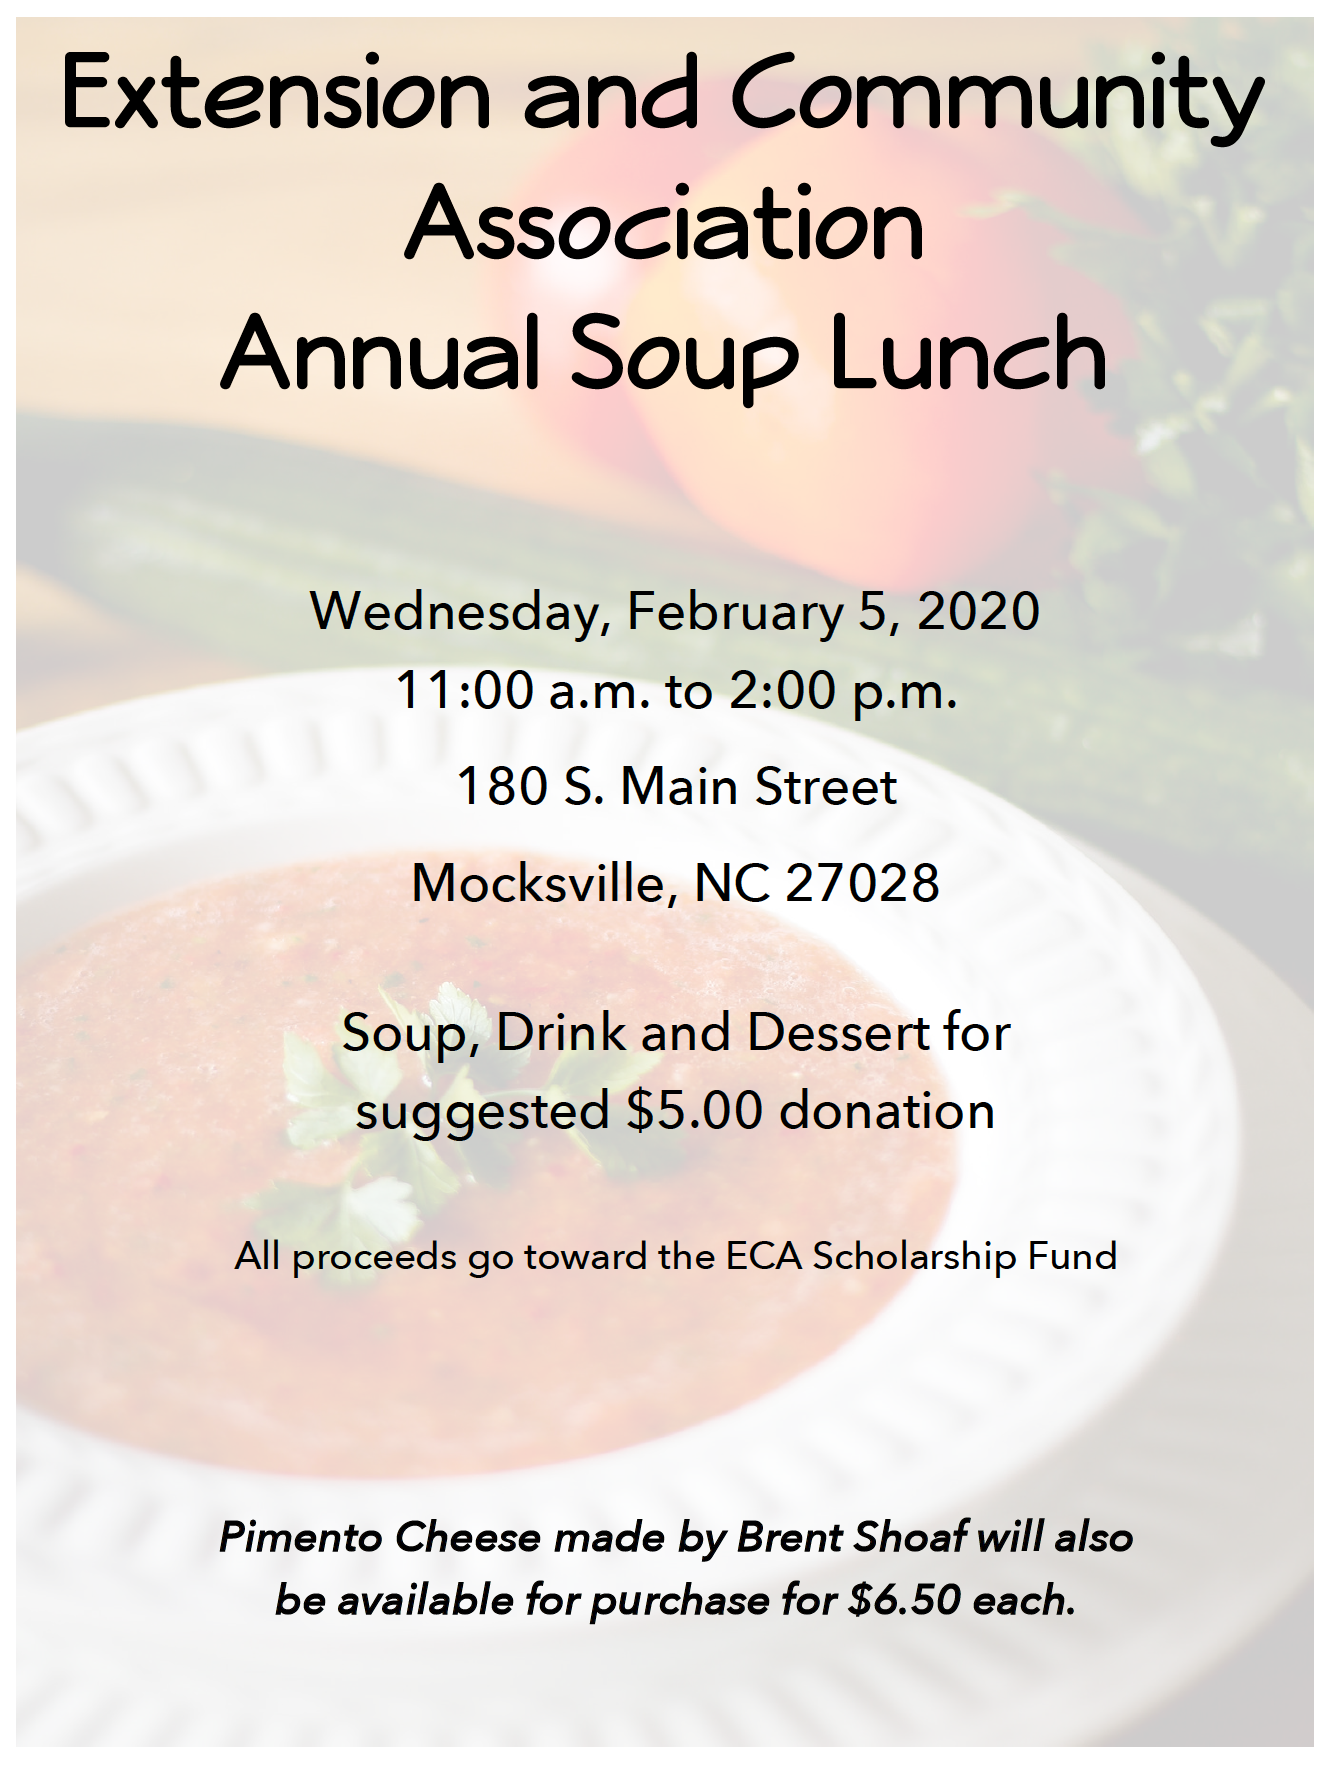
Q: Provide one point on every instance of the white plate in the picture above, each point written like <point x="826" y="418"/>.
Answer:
<point x="1119" y="1120"/>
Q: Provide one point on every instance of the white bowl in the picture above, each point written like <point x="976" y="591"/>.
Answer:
<point x="1118" y="1118"/>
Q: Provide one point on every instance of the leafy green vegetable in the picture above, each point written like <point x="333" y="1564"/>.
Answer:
<point x="406" y="1179"/>
<point x="616" y="1149"/>
<point x="1214" y="562"/>
<point x="331" y="1102"/>
<point x="375" y="1216"/>
<point x="577" y="1072"/>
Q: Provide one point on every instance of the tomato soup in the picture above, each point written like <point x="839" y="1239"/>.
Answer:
<point x="518" y="1311"/>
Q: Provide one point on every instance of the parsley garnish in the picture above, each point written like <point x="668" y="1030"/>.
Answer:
<point x="394" y="1181"/>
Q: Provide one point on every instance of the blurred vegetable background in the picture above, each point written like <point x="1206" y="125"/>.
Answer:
<point x="1213" y="563"/>
<point x="1162" y="706"/>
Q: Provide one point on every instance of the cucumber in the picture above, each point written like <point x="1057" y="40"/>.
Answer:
<point x="219" y="538"/>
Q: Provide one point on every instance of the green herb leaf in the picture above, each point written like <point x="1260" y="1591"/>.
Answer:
<point x="380" y="1212"/>
<point x="374" y="1217"/>
<point x="452" y="1006"/>
<point x="418" y="1022"/>
<point x="300" y="1212"/>
<point x="315" y="1128"/>
<point x="309" y="1082"/>
<point x="585" y="1071"/>
<point x="428" y="1177"/>
<point x="372" y="1073"/>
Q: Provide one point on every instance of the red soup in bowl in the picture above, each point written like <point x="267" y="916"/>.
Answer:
<point x="477" y="1257"/>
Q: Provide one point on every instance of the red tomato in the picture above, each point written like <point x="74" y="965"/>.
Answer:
<point x="886" y="488"/>
<point x="623" y="172"/>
